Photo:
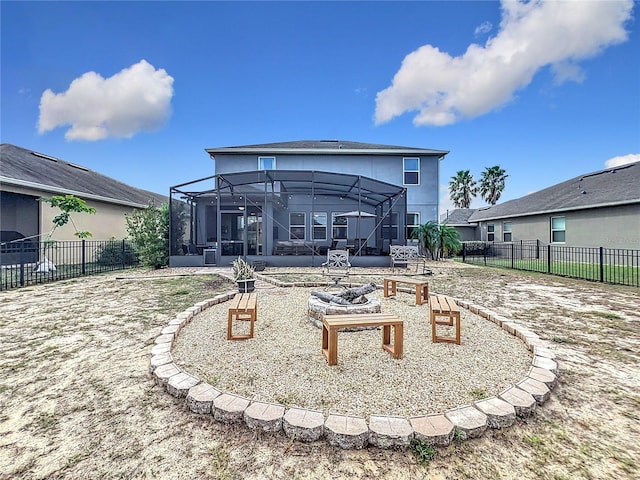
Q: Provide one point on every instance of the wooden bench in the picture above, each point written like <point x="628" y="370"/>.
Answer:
<point x="332" y="323"/>
<point x="422" y="287"/>
<point x="243" y="307"/>
<point x="443" y="306"/>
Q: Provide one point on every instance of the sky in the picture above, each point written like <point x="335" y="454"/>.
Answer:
<point x="138" y="90"/>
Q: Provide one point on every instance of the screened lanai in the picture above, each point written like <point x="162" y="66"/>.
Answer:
<point x="285" y="218"/>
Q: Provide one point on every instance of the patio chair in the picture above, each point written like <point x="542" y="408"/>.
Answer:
<point x="337" y="266"/>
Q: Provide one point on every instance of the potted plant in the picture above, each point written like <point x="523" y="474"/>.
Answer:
<point x="243" y="275"/>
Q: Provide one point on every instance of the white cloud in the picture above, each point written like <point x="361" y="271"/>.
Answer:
<point x="622" y="160"/>
<point x="532" y="35"/>
<point x="133" y="100"/>
<point x="483" y="28"/>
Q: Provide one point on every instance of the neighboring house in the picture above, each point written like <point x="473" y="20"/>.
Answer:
<point x="596" y="209"/>
<point x="26" y="176"/>
<point x="297" y="199"/>
<point x="459" y="219"/>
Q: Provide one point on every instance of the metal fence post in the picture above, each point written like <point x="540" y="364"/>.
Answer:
<point x="84" y="257"/>
<point x="464" y="252"/>
<point x="512" y="254"/>
<point x="123" y="256"/>
<point x="548" y="258"/>
<point x="21" y="264"/>
<point x="602" y="264"/>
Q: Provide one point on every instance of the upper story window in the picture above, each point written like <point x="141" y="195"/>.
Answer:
<point x="411" y="171"/>
<point x="558" y="229"/>
<point x="507" y="231"/>
<point x="491" y="232"/>
<point x="413" y="223"/>
<point x="266" y="163"/>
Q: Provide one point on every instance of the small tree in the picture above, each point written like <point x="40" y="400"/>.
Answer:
<point x="149" y="230"/>
<point x="68" y="204"/>
<point x="439" y="240"/>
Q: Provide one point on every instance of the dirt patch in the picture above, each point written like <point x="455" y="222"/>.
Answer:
<point x="77" y="400"/>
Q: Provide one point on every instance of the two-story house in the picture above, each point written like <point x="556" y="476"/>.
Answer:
<point x="289" y="202"/>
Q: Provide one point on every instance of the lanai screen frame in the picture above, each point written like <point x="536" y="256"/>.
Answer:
<point x="361" y="193"/>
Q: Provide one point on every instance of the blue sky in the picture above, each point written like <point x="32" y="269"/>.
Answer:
<point x="138" y="90"/>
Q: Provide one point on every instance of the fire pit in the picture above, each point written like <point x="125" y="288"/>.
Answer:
<point x="349" y="301"/>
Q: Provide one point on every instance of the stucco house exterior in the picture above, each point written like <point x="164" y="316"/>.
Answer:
<point x="459" y="219"/>
<point x="595" y="209"/>
<point x="26" y="176"/>
<point x="289" y="202"/>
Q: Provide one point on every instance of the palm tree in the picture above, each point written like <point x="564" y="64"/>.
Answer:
<point x="462" y="189"/>
<point x="492" y="184"/>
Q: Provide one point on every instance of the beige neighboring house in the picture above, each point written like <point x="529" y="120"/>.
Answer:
<point x="26" y="176"/>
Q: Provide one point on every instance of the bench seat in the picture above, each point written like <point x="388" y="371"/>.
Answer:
<point x="244" y="306"/>
<point x="422" y="287"/>
<point x="443" y="306"/>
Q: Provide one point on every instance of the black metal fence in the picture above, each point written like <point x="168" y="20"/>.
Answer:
<point x="30" y="262"/>
<point x="609" y="265"/>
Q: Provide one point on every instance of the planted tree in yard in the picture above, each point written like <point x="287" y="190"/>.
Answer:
<point x="492" y="184"/>
<point x="462" y="189"/>
<point x="149" y="230"/>
<point x="68" y="204"/>
<point x="439" y="240"/>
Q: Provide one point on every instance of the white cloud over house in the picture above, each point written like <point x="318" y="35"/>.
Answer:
<point x="622" y="160"/>
<point x="532" y="35"/>
<point x="136" y="99"/>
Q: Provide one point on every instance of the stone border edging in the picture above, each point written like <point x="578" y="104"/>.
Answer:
<point x="353" y="432"/>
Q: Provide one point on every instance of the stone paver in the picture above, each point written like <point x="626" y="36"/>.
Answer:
<point x="161" y="348"/>
<point x="537" y="389"/>
<point x="166" y="338"/>
<point x="346" y="431"/>
<point x="200" y="398"/>
<point x="174" y="329"/>
<point x="543" y="375"/>
<point x="544" y="352"/>
<point x="229" y="408"/>
<point x="522" y="401"/>
<point x="179" y="385"/>
<point x="500" y="414"/>
<point x="468" y="420"/>
<point x="387" y="432"/>
<point x="266" y="417"/>
<point x="160" y="359"/>
<point x="304" y="425"/>
<point x="163" y="373"/>
<point x="544" y="362"/>
<point x="433" y="429"/>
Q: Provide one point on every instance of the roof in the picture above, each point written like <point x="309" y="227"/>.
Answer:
<point x="459" y="217"/>
<point x="604" y="188"/>
<point x="26" y="168"/>
<point x="323" y="147"/>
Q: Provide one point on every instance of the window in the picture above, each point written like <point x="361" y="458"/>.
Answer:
<point x="491" y="232"/>
<point x="558" y="229"/>
<point x="339" y="228"/>
<point x="413" y="223"/>
<point x="266" y="163"/>
<point x="319" y="226"/>
<point x="507" y="234"/>
<point x="411" y="171"/>
<point x="297" y="225"/>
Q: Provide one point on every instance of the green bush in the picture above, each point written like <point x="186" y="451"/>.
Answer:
<point x="149" y="230"/>
<point x="111" y="254"/>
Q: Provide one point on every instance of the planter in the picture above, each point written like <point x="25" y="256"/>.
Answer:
<point x="246" y="286"/>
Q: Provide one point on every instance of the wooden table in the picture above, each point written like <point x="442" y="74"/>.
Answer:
<point x="244" y="306"/>
<point x="332" y="323"/>
<point x="443" y="306"/>
<point x="422" y="287"/>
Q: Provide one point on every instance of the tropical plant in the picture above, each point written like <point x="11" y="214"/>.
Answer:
<point x="116" y="252"/>
<point x="149" y="230"/>
<point x="438" y="240"/>
<point x="492" y="184"/>
<point x="462" y="189"/>
<point x="242" y="270"/>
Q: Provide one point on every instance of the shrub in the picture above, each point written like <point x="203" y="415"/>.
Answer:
<point x="111" y="254"/>
<point x="149" y="230"/>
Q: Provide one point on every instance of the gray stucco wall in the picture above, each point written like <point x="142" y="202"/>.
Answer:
<point x="611" y="227"/>
<point x="421" y="198"/>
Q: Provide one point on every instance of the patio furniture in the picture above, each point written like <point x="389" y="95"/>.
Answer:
<point x="405" y="255"/>
<point x="443" y="306"/>
<point x="337" y="265"/>
<point x="422" y="287"/>
<point x="244" y="306"/>
<point x="331" y="324"/>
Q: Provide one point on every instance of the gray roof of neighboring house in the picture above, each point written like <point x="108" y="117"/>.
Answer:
<point x="29" y="169"/>
<point x="609" y="187"/>
<point x="459" y="217"/>
<point x="322" y="147"/>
